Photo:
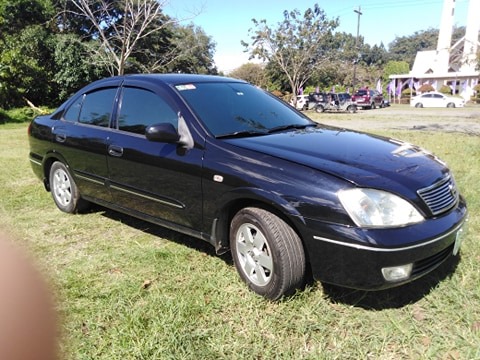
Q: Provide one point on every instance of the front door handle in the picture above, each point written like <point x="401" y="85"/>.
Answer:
<point x="115" y="150"/>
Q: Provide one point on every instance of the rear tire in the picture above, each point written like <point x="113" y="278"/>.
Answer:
<point x="352" y="109"/>
<point x="64" y="190"/>
<point x="267" y="252"/>
<point x="418" y="105"/>
<point x="319" y="108"/>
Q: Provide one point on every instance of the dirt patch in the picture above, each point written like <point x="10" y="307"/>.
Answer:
<point x="403" y="117"/>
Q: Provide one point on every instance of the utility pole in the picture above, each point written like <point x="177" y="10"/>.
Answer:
<point x="359" y="12"/>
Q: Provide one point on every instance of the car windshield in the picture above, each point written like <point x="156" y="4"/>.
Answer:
<point x="239" y="109"/>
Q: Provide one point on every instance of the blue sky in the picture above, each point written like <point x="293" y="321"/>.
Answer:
<point x="227" y="22"/>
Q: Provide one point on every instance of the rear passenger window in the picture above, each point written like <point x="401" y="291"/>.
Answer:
<point x="141" y="108"/>
<point x="97" y="107"/>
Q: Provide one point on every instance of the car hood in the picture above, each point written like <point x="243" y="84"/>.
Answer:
<point x="363" y="159"/>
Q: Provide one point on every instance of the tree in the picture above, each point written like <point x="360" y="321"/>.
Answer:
<point x="251" y="72"/>
<point x="395" y="67"/>
<point x="297" y="45"/>
<point x="120" y="26"/>
<point x="405" y="48"/>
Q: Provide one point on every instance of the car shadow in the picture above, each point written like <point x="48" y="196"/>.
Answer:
<point x="162" y="232"/>
<point x="396" y="297"/>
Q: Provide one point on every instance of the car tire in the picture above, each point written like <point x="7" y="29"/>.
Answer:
<point x="319" y="108"/>
<point x="450" y="105"/>
<point x="352" y="109"/>
<point x="64" y="190"/>
<point x="419" y="105"/>
<point x="267" y="253"/>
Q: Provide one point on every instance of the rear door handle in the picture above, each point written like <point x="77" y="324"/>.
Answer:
<point x="115" y="150"/>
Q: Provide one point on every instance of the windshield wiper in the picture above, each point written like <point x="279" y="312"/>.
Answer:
<point x="242" y="133"/>
<point x="289" y="126"/>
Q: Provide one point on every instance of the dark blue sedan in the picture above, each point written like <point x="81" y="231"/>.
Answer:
<point x="221" y="160"/>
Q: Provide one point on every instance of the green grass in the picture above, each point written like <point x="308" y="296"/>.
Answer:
<point x="127" y="289"/>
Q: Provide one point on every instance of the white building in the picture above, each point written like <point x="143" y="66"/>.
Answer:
<point x="451" y="65"/>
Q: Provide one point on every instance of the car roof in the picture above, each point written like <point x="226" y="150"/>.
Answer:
<point x="173" y="79"/>
<point x="167" y="79"/>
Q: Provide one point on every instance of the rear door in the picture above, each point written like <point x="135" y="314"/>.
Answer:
<point x="159" y="180"/>
<point x="81" y="139"/>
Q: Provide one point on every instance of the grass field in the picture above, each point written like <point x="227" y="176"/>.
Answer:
<point x="127" y="289"/>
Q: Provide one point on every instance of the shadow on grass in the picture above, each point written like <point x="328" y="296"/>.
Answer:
<point x="162" y="232"/>
<point x="396" y="297"/>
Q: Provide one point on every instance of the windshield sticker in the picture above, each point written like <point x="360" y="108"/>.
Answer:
<point x="185" y="87"/>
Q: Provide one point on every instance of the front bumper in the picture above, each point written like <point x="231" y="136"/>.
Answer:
<point x="354" y="257"/>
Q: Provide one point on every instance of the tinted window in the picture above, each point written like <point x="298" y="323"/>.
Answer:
<point x="141" y="108"/>
<point x="74" y="110"/>
<point x="97" y="107"/>
<point x="226" y="108"/>
<point x="361" y="93"/>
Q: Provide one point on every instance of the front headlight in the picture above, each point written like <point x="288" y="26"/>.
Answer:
<point x="376" y="208"/>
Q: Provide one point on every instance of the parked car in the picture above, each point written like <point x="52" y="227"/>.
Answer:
<point x="285" y="195"/>
<point x="368" y="99"/>
<point x="436" y="99"/>
<point x="302" y="102"/>
<point x="333" y="102"/>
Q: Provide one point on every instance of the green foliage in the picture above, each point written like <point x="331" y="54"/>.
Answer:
<point x="445" y="89"/>
<point x="395" y="67"/>
<point x="20" y="115"/>
<point x="253" y="73"/>
<point x="73" y="68"/>
<point x="405" y="48"/>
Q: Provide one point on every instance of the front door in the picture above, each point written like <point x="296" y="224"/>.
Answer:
<point x="159" y="180"/>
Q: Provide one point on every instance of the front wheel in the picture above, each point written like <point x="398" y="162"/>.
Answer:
<point x="64" y="190"/>
<point x="267" y="252"/>
<point x="450" y="105"/>
<point x="319" y="108"/>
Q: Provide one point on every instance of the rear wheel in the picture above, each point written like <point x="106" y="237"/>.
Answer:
<point x="352" y="109"/>
<point x="418" y="105"/>
<point x="319" y="108"/>
<point x="64" y="190"/>
<point x="267" y="252"/>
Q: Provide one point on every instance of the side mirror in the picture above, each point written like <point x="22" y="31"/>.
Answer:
<point x="164" y="132"/>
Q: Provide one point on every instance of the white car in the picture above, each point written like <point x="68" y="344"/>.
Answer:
<point x="302" y="102"/>
<point x="436" y="99"/>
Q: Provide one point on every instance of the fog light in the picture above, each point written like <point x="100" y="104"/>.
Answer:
<point x="397" y="273"/>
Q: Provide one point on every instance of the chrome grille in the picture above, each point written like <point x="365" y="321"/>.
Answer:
<point x="440" y="196"/>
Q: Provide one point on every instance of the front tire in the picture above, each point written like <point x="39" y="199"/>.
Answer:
<point x="267" y="252"/>
<point x="450" y="105"/>
<point x="64" y="190"/>
<point x="319" y="109"/>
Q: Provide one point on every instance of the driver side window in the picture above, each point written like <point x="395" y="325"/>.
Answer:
<point x="141" y="108"/>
